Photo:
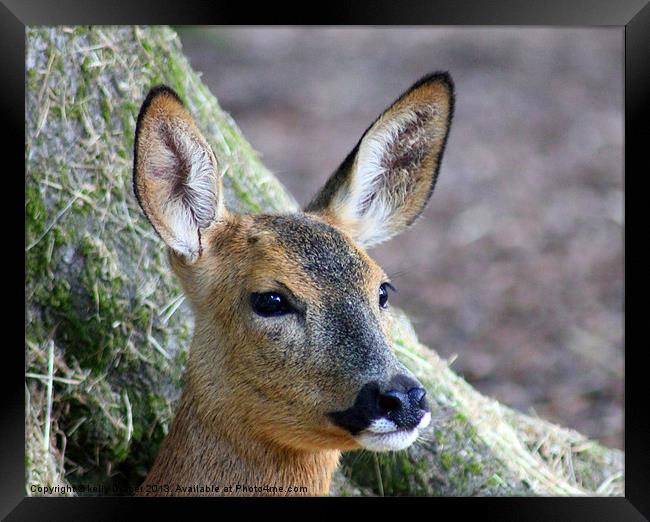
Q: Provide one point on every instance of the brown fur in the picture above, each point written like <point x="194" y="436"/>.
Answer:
<point x="258" y="391"/>
<point x="209" y="452"/>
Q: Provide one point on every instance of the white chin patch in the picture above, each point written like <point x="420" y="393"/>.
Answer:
<point x="384" y="435"/>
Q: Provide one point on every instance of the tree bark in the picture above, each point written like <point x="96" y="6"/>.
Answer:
<point x="107" y="329"/>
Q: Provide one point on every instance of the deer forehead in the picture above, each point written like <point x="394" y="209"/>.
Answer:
<point x="307" y="255"/>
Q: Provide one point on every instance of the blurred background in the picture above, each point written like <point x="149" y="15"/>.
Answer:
<point x="515" y="270"/>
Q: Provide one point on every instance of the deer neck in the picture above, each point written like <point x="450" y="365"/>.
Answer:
<point x="207" y="453"/>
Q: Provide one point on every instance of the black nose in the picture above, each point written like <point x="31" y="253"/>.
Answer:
<point x="403" y="403"/>
<point x="394" y="400"/>
<point x="416" y="395"/>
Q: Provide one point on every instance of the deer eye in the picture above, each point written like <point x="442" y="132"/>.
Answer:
<point x="383" y="294"/>
<point x="270" y="304"/>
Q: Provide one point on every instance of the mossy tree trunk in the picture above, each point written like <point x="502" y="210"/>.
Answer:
<point x="107" y="329"/>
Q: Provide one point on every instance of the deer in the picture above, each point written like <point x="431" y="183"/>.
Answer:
<point x="291" y="361"/>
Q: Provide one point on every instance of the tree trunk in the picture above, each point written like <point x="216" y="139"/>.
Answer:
<point x="107" y="329"/>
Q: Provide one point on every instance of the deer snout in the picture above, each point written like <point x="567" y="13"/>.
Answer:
<point x="405" y="408"/>
<point x="386" y="416"/>
<point x="403" y="402"/>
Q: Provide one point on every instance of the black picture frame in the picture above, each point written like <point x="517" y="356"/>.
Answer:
<point x="633" y="15"/>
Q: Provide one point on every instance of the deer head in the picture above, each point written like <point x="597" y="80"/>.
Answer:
<point x="291" y="345"/>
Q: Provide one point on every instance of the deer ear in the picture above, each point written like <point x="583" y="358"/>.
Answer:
<point x="175" y="176"/>
<point x="386" y="181"/>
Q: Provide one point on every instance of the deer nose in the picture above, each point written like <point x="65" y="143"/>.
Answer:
<point x="401" y="400"/>
<point x="405" y="406"/>
<point x="417" y="395"/>
<point x="394" y="400"/>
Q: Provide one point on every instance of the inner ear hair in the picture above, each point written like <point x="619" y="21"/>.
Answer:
<point x="385" y="183"/>
<point x="175" y="173"/>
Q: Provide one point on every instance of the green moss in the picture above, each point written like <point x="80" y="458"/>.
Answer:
<point x="447" y="461"/>
<point x="36" y="215"/>
<point x="460" y="417"/>
<point x="86" y="66"/>
<point x="35" y="212"/>
<point x="394" y="474"/>
<point x="495" y="481"/>
<point x="106" y="110"/>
